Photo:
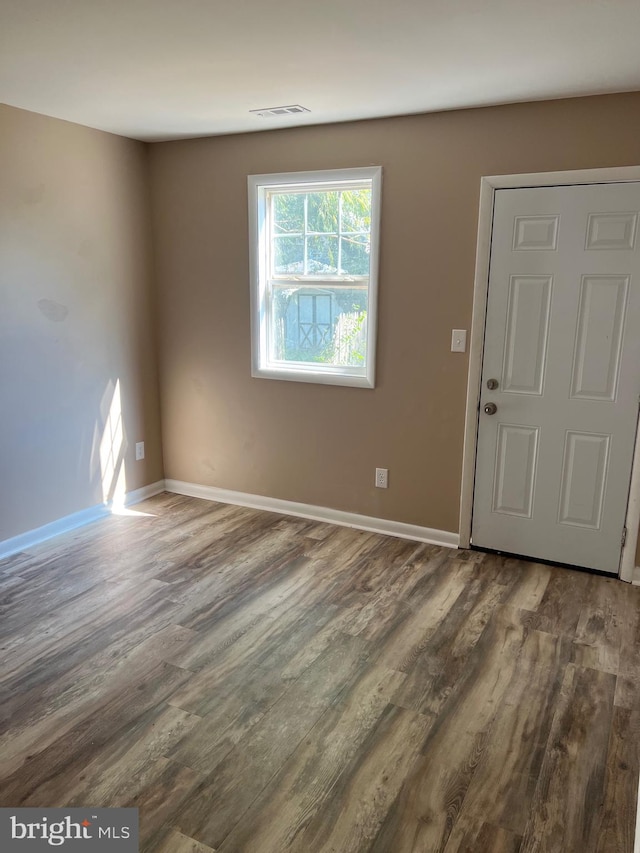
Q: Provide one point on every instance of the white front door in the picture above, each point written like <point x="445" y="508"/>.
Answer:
<point x="562" y="342"/>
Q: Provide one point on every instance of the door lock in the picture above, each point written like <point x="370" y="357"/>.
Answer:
<point x="492" y="384"/>
<point x="490" y="409"/>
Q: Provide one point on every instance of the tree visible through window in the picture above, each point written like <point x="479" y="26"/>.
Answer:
<point x="314" y="277"/>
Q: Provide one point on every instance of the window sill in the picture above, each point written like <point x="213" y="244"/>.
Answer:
<point x="292" y="374"/>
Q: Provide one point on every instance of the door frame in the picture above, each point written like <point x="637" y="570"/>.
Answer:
<point x="488" y="187"/>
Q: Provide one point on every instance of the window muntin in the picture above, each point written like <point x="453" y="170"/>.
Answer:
<point x="314" y="275"/>
<point x="323" y="233"/>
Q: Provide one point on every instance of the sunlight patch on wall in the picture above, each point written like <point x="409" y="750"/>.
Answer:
<point x="114" y="483"/>
<point x="111" y="454"/>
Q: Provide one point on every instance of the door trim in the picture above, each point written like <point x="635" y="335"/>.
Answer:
<point x="488" y="186"/>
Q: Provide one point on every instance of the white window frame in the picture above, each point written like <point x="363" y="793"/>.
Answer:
<point x="261" y="366"/>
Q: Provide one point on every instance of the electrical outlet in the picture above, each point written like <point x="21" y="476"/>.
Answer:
<point x="382" y="478"/>
<point x="139" y="450"/>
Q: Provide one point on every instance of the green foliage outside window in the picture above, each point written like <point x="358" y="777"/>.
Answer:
<point x="321" y="233"/>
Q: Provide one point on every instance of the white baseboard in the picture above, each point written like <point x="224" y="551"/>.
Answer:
<point x="70" y="522"/>
<point x="636" y="843"/>
<point x="635" y="580"/>
<point x="143" y="493"/>
<point x="398" y="529"/>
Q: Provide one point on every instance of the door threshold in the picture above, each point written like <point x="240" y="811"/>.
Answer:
<point x="543" y="562"/>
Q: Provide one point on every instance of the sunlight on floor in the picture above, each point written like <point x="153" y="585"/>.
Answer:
<point x="120" y="509"/>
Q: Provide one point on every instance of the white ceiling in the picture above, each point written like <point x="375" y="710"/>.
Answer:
<point x="167" y="69"/>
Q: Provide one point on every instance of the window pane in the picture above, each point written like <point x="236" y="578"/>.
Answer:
<point x="322" y="254"/>
<point x="322" y="212"/>
<point x="355" y="255"/>
<point x="288" y="255"/>
<point x="305" y="307"/>
<point x="323" y="325"/>
<point x="288" y="213"/>
<point x="356" y="210"/>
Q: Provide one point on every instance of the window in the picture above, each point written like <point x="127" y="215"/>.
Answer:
<point x="314" y="262"/>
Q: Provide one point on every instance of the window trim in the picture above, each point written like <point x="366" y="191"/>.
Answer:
<point x="258" y="187"/>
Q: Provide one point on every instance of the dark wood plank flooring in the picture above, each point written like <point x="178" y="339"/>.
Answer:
<point x="258" y="683"/>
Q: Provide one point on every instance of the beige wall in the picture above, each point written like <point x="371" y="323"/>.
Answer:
<point x="320" y="444"/>
<point x="75" y="317"/>
<point x="76" y="307"/>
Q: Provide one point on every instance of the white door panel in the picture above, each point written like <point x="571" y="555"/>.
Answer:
<point x="601" y="316"/>
<point x="562" y="340"/>
<point x="525" y="350"/>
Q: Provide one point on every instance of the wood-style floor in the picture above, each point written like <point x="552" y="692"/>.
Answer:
<point x="259" y="683"/>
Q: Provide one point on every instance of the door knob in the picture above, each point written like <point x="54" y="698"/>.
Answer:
<point x="490" y="409"/>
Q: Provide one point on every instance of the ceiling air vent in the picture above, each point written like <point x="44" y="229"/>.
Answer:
<point x="278" y="112"/>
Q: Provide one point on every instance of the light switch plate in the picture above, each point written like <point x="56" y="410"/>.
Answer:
<point x="459" y="340"/>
